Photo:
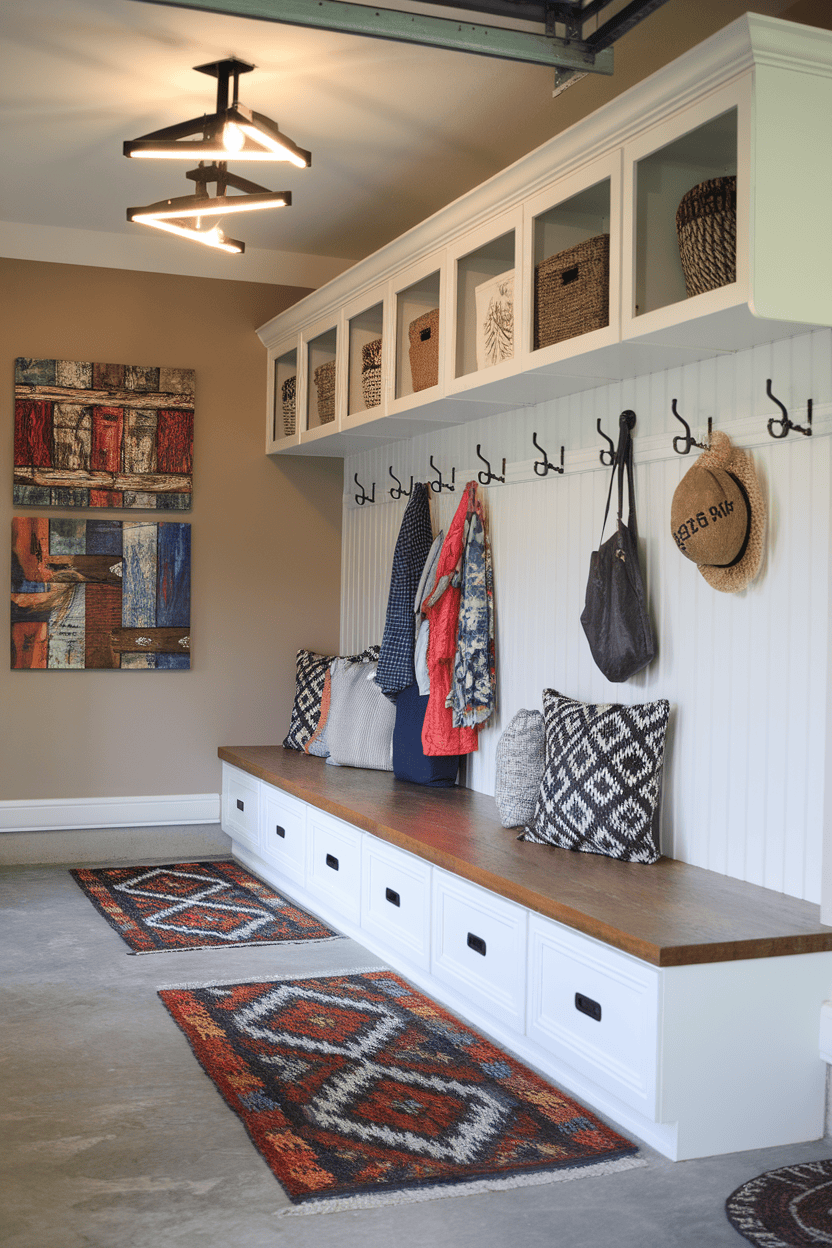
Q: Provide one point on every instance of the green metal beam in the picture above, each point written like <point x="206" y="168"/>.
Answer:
<point x="435" y="32"/>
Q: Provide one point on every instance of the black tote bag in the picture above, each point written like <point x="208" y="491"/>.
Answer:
<point x="615" y="617"/>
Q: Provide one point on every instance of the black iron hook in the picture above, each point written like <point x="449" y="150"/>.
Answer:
<point x="687" y="439"/>
<point x="397" y="490"/>
<point x="784" y="422"/>
<point x="544" y="466"/>
<point x="440" y="485"/>
<point x="487" y="478"/>
<point x="608" y="463"/>
<point x="365" y="497"/>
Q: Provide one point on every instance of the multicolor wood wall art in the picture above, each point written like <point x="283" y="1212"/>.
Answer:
<point x="100" y="593"/>
<point x="102" y="435"/>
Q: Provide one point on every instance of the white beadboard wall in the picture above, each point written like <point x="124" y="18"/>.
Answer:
<point x="746" y="674"/>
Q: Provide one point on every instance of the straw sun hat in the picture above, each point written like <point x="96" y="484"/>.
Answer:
<point x="718" y="516"/>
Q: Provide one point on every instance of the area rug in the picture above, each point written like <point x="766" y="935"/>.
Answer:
<point x="786" y="1208"/>
<point x="195" y="905"/>
<point x="359" y="1091"/>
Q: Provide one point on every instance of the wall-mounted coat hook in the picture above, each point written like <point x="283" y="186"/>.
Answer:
<point x="544" y="466"/>
<point x="439" y="485"/>
<point x="784" y="422"/>
<point x="364" y="497"/>
<point x="687" y="439"/>
<point x="485" y="478"/>
<point x="397" y="490"/>
<point x="607" y="458"/>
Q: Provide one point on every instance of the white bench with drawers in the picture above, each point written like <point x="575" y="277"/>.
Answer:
<point x="682" y="1004"/>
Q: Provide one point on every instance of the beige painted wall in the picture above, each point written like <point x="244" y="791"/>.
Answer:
<point x="266" y="539"/>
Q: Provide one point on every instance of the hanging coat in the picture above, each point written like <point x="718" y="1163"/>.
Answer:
<point x="422" y="627"/>
<point x="441" y="609"/>
<point x="472" y="698"/>
<point x="395" y="666"/>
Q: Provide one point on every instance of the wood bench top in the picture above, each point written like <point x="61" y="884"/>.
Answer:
<point x="668" y="914"/>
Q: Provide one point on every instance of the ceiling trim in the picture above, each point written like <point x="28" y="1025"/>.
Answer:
<point x="405" y="27"/>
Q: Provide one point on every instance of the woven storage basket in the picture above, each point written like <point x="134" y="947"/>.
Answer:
<point x="325" y="385"/>
<point x="287" y="394"/>
<point x="424" y="350"/>
<point x="371" y="373"/>
<point x="706" y="226"/>
<point x="572" y="292"/>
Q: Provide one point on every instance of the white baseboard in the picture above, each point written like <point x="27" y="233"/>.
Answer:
<point x="54" y="815"/>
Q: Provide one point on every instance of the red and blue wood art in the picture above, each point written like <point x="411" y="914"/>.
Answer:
<point x="100" y="594"/>
<point x="102" y="435"/>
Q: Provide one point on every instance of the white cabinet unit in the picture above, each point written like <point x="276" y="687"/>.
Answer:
<point x="752" y="102"/>
<point x="241" y="807"/>
<point x="333" y="864"/>
<point x="283" y="833"/>
<point x="479" y="947"/>
<point x="395" y="900"/>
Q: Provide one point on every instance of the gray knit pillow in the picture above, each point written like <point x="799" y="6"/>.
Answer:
<point x="521" y="761"/>
<point x="359" y="729"/>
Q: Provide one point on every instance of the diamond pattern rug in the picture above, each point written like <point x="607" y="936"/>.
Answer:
<point x="195" y="905"/>
<point x="357" y="1090"/>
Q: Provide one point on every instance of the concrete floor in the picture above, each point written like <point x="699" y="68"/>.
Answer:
<point x="112" y="1135"/>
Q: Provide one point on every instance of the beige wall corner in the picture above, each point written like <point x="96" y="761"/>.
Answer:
<point x="266" y="542"/>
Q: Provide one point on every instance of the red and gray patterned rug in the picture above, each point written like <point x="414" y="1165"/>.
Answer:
<point x="786" y="1208"/>
<point x="195" y="905"/>
<point x="357" y="1090"/>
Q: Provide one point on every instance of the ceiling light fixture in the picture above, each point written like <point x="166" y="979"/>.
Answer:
<point x="232" y="131"/>
<point x="184" y="214"/>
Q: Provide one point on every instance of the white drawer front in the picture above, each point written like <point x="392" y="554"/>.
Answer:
<point x="596" y="1009"/>
<point x="333" y="863"/>
<point x="395" y="899"/>
<point x="283" y="832"/>
<point x="240" y="806"/>
<point x="479" y="946"/>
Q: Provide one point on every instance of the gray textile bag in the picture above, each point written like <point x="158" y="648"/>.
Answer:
<point x="521" y="761"/>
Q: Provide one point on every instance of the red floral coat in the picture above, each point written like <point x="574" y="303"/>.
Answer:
<point x="439" y="736"/>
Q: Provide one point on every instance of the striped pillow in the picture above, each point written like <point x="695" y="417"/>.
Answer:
<point x="360" y="725"/>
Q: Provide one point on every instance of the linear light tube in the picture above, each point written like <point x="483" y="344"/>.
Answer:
<point x="210" y="238"/>
<point x="200" y="206"/>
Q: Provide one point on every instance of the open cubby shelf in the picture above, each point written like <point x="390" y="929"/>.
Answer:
<point x="750" y="103"/>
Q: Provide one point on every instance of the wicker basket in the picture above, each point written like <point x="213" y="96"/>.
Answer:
<point x="287" y="394"/>
<point x="572" y="292"/>
<point x="424" y="350"/>
<point x="325" y="385"/>
<point x="706" y="226"/>
<point x="371" y="373"/>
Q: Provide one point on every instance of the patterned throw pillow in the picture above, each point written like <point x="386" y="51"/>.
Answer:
<point x="521" y="759"/>
<point x="359" y="729"/>
<point x="309" y="687"/>
<point x="601" y="788"/>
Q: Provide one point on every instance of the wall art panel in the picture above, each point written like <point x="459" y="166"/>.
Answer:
<point x="100" y="594"/>
<point x="102" y="435"/>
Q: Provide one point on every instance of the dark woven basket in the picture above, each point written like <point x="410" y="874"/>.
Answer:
<point x="287" y="395"/>
<point x="706" y="226"/>
<point x="325" y="384"/>
<point x="371" y="373"/>
<point x="424" y="350"/>
<point x="572" y="292"/>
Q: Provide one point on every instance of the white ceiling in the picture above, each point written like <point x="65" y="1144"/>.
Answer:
<point x="395" y="131"/>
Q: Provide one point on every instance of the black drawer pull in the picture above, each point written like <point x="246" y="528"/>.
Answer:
<point x="587" y="1006"/>
<point x="424" y="334"/>
<point x="569" y="275"/>
<point x="332" y="861"/>
<point x="279" y="831"/>
<point x="476" y="943"/>
<point x="393" y="897"/>
<point x="240" y="804"/>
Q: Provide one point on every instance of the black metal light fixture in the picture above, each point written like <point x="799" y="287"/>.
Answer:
<point x="232" y="132"/>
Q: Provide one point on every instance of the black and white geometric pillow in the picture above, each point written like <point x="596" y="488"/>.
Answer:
<point x="309" y="687"/>
<point x="601" y="788"/>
